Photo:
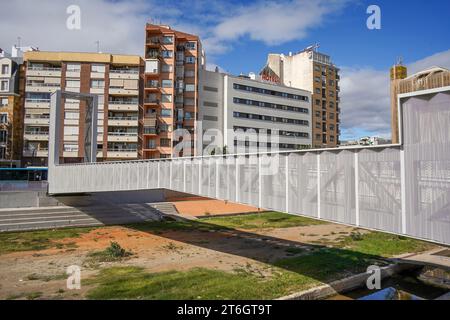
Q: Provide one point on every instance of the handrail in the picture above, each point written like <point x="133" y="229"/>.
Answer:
<point x="267" y="153"/>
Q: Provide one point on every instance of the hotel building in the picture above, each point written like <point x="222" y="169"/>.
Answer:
<point x="229" y="103"/>
<point x="435" y="77"/>
<point x="172" y="63"/>
<point x="312" y="71"/>
<point x="114" y="78"/>
<point x="10" y="111"/>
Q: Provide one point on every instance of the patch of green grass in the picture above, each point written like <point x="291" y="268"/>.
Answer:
<point x="38" y="240"/>
<point x="46" y="278"/>
<point x="265" y="220"/>
<point x="112" y="253"/>
<point x="33" y="295"/>
<point x="382" y="244"/>
<point x="174" y="225"/>
<point x="198" y="283"/>
<point x="287" y="276"/>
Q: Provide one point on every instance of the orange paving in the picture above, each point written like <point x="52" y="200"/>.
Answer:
<point x="196" y="207"/>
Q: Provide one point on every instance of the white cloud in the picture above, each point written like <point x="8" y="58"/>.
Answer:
<point x="275" y="22"/>
<point x="441" y="59"/>
<point x="365" y="97"/>
<point x="119" y="25"/>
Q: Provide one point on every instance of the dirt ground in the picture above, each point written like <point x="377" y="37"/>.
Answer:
<point x="197" y="207"/>
<point x="40" y="274"/>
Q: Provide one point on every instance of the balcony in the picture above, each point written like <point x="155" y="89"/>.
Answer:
<point x="122" y="91"/>
<point x="123" y="105"/>
<point x="122" y="137"/>
<point x="43" y="72"/>
<point x="36" y="136"/>
<point x="37" y="103"/>
<point x="39" y="153"/>
<point x="152" y="85"/>
<point x="151" y="101"/>
<point x="42" y="87"/>
<point x="123" y="121"/>
<point x="37" y="119"/>
<point x="122" y="153"/>
<point x="124" y="74"/>
<point x="150" y="131"/>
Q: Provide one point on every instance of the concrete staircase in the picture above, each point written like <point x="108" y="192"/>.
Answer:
<point x="165" y="208"/>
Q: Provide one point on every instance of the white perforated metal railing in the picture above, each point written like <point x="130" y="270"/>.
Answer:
<point x="400" y="189"/>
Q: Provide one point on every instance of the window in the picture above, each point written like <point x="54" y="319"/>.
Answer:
<point x="190" y="45"/>
<point x="73" y="67"/>
<point x="165" y="142"/>
<point x="212" y="89"/>
<point x="167" y="39"/>
<point x="210" y="118"/>
<point x="167" y="53"/>
<point x="151" y="144"/>
<point x="72" y="83"/>
<point x="188" y="115"/>
<point x="3" y="136"/>
<point x="190" y="59"/>
<point x="190" y="87"/>
<point x="167" y="84"/>
<point x="3" y="118"/>
<point x="71" y="115"/>
<point x="97" y="84"/>
<point x="71" y="131"/>
<point x="318" y="91"/>
<point x="189" y="73"/>
<point x="210" y="104"/>
<point x="5" y="68"/>
<point x="100" y="68"/>
<point x="70" y="147"/>
<point x="189" y="102"/>
<point x="164" y="127"/>
<point x="166" y="98"/>
<point x="166" y="68"/>
<point x="166" y="113"/>
<point x="3" y="102"/>
<point x="4" y="86"/>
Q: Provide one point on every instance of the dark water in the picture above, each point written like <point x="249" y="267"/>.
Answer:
<point x="403" y="286"/>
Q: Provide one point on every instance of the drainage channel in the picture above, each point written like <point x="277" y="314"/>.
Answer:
<point x="405" y="285"/>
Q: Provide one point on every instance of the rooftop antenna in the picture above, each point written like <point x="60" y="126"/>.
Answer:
<point x="400" y="61"/>
<point x="98" y="46"/>
<point x="18" y="41"/>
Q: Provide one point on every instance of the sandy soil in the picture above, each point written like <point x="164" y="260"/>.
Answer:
<point x="155" y="252"/>
<point x="198" y="207"/>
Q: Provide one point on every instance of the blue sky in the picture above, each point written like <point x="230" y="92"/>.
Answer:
<point x="238" y="35"/>
<point x="413" y="29"/>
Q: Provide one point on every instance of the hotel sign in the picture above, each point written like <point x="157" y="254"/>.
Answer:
<point x="267" y="75"/>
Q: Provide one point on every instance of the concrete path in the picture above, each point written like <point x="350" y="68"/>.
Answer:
<point x="429" y="258"/>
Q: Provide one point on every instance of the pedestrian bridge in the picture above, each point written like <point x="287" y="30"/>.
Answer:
<point x="402" y="189"/>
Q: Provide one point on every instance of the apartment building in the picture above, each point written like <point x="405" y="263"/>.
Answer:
<point x="434" y="77"/>
<point x="313" y="71"/>
<point x="114" y="78"/>
<point x="172" y="63"/>
<point x="250" y="104"/>
<point x="10" y="111"/>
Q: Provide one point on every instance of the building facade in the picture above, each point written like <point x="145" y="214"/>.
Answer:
<point x="249" y="104"/>
<point x="11" y="129"/>
<point x="115" y="79"/>
<point x="172" y="63"/>
<point x="432" y="78"/>
<point x="313" y="71"/>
